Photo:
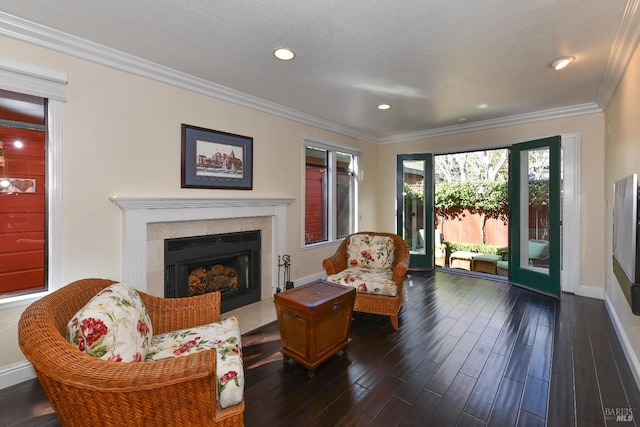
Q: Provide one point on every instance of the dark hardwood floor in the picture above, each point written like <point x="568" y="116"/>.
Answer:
<point x="469" y="352"/>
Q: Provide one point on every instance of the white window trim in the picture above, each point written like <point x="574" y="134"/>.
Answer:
<point x="332" y="146"/>
<point x="51" y="84"/>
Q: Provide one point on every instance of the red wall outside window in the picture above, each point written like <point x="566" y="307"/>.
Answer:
<point x="22" y="211"/>
<point x="315" y="205"/>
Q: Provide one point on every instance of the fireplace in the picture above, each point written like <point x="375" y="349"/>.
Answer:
<point x="229" y="263"/>
<point x="148" y="221"/>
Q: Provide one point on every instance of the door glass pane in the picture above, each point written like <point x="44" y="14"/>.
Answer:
<point x="534" y="209"/>
<point x="413" y="205"/>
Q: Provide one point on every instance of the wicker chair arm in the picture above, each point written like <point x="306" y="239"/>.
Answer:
<point x="338" y="261"/>
<point x="170" y="314"/>
<point x="401" y="262"/>
<point x="331" y="265"/>
<point x="175" y="391"/>
<point x="102" y="375"/>
<point x="399" y="273"/>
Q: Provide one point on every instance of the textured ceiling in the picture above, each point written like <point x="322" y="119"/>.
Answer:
<point x="433" y="61"/>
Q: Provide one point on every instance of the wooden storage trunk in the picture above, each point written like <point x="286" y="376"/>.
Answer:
<point x="314" y="321"/>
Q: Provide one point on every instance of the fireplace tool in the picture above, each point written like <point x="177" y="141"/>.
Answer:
<point x="284" y="267"/>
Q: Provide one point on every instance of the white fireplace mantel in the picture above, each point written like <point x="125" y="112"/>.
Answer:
<point x="138" y="212"/>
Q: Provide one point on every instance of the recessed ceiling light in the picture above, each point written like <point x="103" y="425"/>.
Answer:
<point x="284" y="54"/>
<point x="560" y="63"/>
<point x="384" y="106"/>
<point x="483" y="106"/>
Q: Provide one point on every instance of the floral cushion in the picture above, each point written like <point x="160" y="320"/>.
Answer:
<point x="113" y="325"/>
<point x="365" y="280"/>
<point x="372" y="252"/>
<point x="224" y="336"/>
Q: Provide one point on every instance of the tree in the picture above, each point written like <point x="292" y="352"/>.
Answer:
<point x="476" y="182"/>
<point x="490" y="199"/>
<point x="481" y="177"/>
<point x="494" y="163"/>
<point x="486" y="165"/>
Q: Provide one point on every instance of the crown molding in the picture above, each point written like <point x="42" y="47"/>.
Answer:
<point x="30" y="32"/>
<point x="623" y="49"/>
<point x="537" y="116"/>
<point x="40" y="35"/>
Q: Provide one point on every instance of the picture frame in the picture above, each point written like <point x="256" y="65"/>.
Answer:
<point x="215" y="159"/>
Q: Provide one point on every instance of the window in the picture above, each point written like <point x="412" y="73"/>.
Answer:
<point x="22" y="194"/>
<point x="316" y="195"/>
<point x="331" y="191"/>
<point x="41" y="92"/>
<point x="345" y="194"/>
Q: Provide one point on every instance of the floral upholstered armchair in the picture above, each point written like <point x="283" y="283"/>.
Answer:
<point x="375" y="264"/>
<point x="107" y="354"/>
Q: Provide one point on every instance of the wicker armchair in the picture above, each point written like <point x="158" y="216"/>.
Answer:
<point x="88" y="391"/>
<point x="370" y="303"/>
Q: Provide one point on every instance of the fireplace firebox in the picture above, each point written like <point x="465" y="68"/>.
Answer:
<point x="229" y="263"/>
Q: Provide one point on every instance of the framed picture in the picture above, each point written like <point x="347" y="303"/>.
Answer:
<point x="214" y="159"/>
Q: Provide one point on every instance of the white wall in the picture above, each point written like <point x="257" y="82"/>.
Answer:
<point x="121" y="136"/>
<point x="622" y="158"/>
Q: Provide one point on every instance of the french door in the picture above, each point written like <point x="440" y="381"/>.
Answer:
<point x="534" y="212"/>
<point x="535" y="215"/>
<point x="414" y="207"/>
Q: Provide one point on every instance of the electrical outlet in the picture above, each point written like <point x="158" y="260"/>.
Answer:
<point x="296" y="269"/>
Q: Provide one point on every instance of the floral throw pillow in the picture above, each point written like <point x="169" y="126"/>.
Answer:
<point x="372" y="252"/>
<point x="113" y="325"/>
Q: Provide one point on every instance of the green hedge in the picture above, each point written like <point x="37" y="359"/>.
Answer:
<point x="471" y="247"/>
<point x="490" y="198"/>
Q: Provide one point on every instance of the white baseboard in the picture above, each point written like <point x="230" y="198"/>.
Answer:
<point x="311" y="278"/>
<point x="16" y="374"/>
<point x="586" y="291"/>
<point x="624" y="340"/>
